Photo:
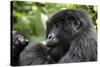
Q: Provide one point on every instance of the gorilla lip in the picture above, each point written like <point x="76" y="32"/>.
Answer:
<point x="52" y="43"/>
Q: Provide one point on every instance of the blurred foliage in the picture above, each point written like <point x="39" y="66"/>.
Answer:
<point x="29" y="18"/>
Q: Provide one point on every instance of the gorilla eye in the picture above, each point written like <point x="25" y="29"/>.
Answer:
<point x="56" y="24"/>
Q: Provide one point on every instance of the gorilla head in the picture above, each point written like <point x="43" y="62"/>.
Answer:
<point x="62" y="28"/>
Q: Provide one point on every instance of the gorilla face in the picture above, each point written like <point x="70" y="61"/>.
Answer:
<point x="60" y="27"/>
<point x="54" y="36"/>
<point x="65" y="25"/>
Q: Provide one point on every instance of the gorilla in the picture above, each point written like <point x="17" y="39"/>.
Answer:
<point x="18" y="44"/>
<point x="70" y="38"/>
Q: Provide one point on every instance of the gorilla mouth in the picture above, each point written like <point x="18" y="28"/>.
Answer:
<point x="51" y="44"/>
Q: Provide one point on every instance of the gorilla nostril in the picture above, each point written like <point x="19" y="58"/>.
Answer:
<point x="50" y="37"/>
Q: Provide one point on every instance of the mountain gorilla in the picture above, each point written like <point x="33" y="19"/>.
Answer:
<point x="70" y="38"/>
<point x="18" y="44"/>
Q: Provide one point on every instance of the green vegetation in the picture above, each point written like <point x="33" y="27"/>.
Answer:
<point x="29" y="18"/>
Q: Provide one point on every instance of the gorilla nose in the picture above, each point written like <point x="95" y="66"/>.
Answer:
<point x="51" y="37"/>
<point x="51" y="40"/>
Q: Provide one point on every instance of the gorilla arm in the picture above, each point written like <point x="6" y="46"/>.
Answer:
<point x="35" y="54"/>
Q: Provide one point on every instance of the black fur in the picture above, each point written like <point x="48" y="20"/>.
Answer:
<point x="70" y="38"/>
<point x="35" y="54"/>
<point x="19" y="43"/>
<point x="76" y="40"/>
